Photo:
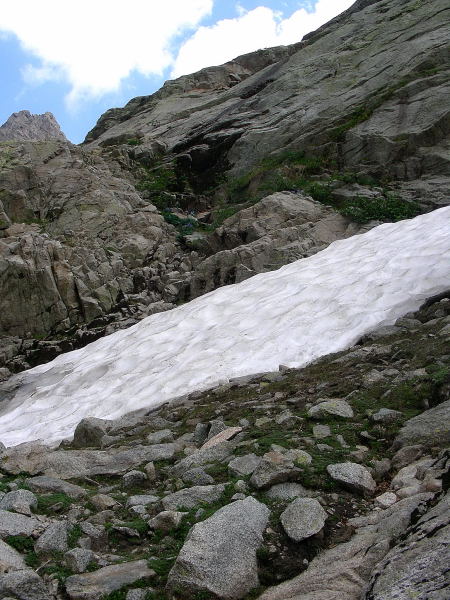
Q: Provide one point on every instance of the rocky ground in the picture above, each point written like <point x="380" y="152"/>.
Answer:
<point x="322" y="483"/>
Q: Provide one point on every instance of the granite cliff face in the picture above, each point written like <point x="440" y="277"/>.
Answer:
<point x="228" y="172"/>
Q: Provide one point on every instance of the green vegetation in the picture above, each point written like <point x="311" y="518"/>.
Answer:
<point x="382" y="208"/>
<point x="74" y="535"/>
<point x="47" y="502"/>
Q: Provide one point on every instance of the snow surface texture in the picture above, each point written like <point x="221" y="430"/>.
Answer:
<point x="304" y="310"/>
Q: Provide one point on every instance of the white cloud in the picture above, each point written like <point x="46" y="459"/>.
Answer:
<point x="261" y="27"/>
<point x="95" y="44"/>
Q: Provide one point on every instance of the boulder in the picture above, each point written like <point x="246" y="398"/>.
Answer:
<point x="303" y="518"/>
<point x="10" y="559"/>
<point x="331" y="408"/>
<point x="193" y="497"/>
<point x="104" y="581"/>
<point x="89" y="433"/>
<point x="288" y="491"/>
<point x="219" y="554"/>
<point x="54" y="539"/>
<point x="166" y="520"/>
<point x="20" y="501"/>
<point x="353" y="476"/>
<point x="42" y="484"/>
<point x="24" y="584"/>
<point x="418" y="567"/>
<point x="244" y="465"/>
<point x="16" y="524"/>
<point x="274" y="468"/>
<point x="430" y="428"/>
<point x="78" y="559"/>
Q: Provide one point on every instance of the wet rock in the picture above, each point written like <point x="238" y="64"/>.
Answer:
<point x="353" y="476"/>
<point x="418" y="567"/>
<point x="303" y="518"/>
<point x="219" y="555"/>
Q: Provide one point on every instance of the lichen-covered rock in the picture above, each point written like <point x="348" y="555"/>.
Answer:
<point x="20" y="501"/>
<point x="219" y="555"/>
<point x="54" y="539"/>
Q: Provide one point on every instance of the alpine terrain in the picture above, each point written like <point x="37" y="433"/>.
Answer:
<point x="225" y="329"/>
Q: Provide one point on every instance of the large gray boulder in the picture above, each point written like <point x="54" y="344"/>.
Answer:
<point x="219" y="554"/>
<point x="36" y="458"/>
<point x="303" y="518"/>
<point x="95" y="585"/>
<point x="42" y="484"/>
<point x="24" y="585"/>
<point x="16" y="524"/>
<point x="10" y="559"/>
<point x="188" y="498"/>
<point x="430" y="428"/>
<point x="331" y="408"/>
<point x="54" y="539"/>
<point x="20" y="501"/>
<point x="418" y="567"/>
<point x="353" y="476"/>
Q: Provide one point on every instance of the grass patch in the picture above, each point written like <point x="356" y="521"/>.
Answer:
<point x="48" y="501"/>
<point x="383" y="208"/>
<point x="74" y="535"/>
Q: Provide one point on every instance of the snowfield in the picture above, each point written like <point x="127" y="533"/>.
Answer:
<point x="291" y="316"/>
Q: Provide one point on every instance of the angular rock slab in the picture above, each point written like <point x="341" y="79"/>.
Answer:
<point x="430" y="428"/>
<point x="42" y="484"/>
<point x="303" y="518"/>
<point x="95" y="585"/>
<point x="15" y="524"/>
<point x="192" y="497"/>
<point x="418" y="567"/>
<point x="353" y="476"/>
<point x="219" y="555"/>
<point x="10" y="559"/>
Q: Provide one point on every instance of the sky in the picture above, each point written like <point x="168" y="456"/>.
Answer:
<point x="78" y="59"/>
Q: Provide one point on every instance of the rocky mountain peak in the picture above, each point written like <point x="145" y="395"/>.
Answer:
<point x="25" y="126"/>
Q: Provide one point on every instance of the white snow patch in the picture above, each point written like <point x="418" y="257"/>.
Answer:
<point x="292" y="316"/>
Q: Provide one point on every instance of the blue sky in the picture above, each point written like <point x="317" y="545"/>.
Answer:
<point x="76" y="60"/>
